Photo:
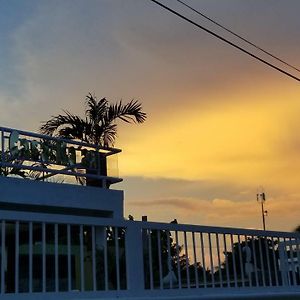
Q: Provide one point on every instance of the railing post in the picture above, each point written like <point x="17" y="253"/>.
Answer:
<point x="134" y="258"/>
<point x="2" y="147"/>
<point x="283" y="267"/>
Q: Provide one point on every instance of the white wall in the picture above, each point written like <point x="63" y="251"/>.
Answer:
<point x="29" y="192"/>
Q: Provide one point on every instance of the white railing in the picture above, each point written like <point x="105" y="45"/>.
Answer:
<point x="58" y="257"/>
<point x="46" y="156"/>
<point x="193" y="257"/>
<point x="289" y="253"/>
<point x="102" y="256"/>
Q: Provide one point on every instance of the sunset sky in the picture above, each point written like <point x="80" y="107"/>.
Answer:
<point x="220" y="124"/>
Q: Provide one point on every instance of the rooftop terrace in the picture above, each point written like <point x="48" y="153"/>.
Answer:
<point x="41" y="157"/>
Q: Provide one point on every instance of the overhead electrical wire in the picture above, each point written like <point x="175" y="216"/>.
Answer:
<point x="238" y="35"/>
<point x="225" y="40"/>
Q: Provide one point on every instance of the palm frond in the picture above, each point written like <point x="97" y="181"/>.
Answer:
<point x="109" y="135"/>
<point x="98" y="126"/>
<point x="96" y="109"/>
<point x="129" y="113"/>
<point x="68" y="126"/>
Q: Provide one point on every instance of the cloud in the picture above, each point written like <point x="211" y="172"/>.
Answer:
<point x="145" y="189"/>
<point x="283" y="211"/>
<point x="234" y="142"/>
<point x="183" y="204"/>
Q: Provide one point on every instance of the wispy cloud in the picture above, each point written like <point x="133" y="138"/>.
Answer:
<point x="222" y="212"/>
<point x="182" y="204"/>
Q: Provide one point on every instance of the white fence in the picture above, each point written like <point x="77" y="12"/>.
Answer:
<point x="289" y="253"/>
<point x="207" y="257"/>
<point x="105" y="257"/>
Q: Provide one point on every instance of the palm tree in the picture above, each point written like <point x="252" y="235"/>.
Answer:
<point x="99" y="126"/>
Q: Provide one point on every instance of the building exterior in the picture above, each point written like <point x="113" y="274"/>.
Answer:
<point x="63" y="236"/>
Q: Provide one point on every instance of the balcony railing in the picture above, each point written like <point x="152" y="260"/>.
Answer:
<point x="40" y="157"/>
<point x="56" y="254"/>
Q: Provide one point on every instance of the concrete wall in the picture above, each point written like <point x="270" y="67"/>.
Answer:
<point x="59" y="198"/>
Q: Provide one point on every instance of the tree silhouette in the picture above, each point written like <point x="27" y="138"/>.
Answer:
<point x="262" y="252"/>
<point x="98" y="127"/>
<point x="297" y="229"/>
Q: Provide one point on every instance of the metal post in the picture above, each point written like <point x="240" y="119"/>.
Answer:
<point x="2" y="147"/>
<point x="263" y="215"/>
<point x="261" y="198"/>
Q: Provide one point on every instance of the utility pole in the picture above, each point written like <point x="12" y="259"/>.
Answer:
<point x="261" y="198"/>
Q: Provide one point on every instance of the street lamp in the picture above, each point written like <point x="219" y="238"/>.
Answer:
<point x="261" y="198"/>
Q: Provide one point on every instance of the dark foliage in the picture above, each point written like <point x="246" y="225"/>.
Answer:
<point x="98" y="126"/>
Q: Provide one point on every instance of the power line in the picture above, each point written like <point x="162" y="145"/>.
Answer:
<point x="239" y="36"/>
<point x="225" y="40"/>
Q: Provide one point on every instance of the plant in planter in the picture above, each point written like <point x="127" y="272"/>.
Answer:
<point x="99" y="126"/>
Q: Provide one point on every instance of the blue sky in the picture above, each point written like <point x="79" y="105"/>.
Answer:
<point x="13" y="16"/>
